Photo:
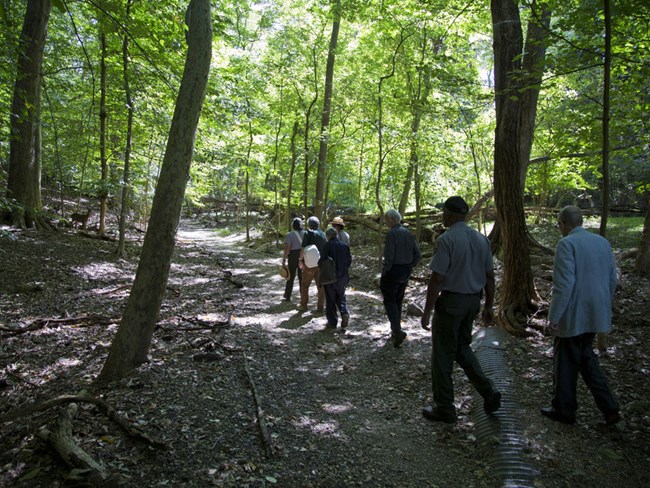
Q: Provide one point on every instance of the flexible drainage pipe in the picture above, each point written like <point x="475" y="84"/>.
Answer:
<point x="502" y="429"/>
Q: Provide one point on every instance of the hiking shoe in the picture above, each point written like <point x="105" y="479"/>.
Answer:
<point x="553" y="414"/>
<point x="345" y="319"/>
<point x="612" y="418"/>
<point x="437" y="415"/>
<point x="492" y="403"/>
<point x="399" y="338"/>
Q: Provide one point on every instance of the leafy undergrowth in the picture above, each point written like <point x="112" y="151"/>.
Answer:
<point x="340" y="410"/>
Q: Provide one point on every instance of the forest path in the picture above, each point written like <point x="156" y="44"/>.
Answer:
<point x="344" y="409"/>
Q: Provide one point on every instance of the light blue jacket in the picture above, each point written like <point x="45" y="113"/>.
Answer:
<point x="584" y="282"/>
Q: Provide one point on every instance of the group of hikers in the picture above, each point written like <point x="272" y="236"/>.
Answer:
<point x="462" y="274"/>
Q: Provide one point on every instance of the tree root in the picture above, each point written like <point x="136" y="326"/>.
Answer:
<point x="82" y="321"/>
<point x="62" y="441"/>
<point x="104" y="407"/>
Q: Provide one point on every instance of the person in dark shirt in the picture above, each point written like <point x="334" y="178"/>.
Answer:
<point x="335" y="292"/>
<point x="401" y="253"/>
<point x="313" y="237"/>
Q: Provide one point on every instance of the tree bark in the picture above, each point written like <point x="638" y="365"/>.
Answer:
<point x="319" y="204"/>
<point x="517" y="289"/>
<point x="133" y="339"/>
<point x="606" y="91"/>
<point x="643" y="255"/>
<point x="24" y="175"/>
<point x="103" y="160"/>
<point x="127" y="149"/>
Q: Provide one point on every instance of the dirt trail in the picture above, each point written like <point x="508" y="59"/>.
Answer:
<point x="344" y="408"/>
<point x="341" y="410"/>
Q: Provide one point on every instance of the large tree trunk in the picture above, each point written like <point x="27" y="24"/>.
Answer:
<point x="133" y="339"/>
<point x="319" y="203"/>
<point x="517" y="289"/>
<point x="24" y="176"/>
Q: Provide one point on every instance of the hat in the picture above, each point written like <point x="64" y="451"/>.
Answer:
<point x="284" y="272"/>
<point x="338" y="221"/>
<point x="457" y="205"/>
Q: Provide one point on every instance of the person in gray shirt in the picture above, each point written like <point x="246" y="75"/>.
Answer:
<point x="461" y="269"/>
<point x="401" y="253"/>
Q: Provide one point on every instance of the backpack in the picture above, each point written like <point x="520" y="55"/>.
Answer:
<point x="327" y="273"/>
<point x="311" y="255"/>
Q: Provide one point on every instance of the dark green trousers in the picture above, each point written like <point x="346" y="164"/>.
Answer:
<point x="451" y="336"/>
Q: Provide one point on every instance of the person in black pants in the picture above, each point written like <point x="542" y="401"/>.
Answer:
<point x="584" y="283"/>
<point x="292" y="247"/>
<point x="401" y="253"/>
<point x="461" y="269"/>
<point x="335" y="292"/>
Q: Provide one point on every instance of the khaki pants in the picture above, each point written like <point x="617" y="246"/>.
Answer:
<point x="309" y="274"/>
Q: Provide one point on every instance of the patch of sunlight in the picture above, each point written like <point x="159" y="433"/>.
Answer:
<point x="101" y="270"/>
<point x="57" y="369"/>
<point x="332" y="408"/>
<point x="316" y="426"/>
<point x="364" y="294"/>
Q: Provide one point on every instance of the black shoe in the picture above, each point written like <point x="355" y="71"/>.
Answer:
<point x="612" y="418"/>
<point x="399" y="338"/>
<point x="552" y="414"/>
<point x="345" y="319"/>
<point x="492" y="403"/>
<point x="435" y="415"/>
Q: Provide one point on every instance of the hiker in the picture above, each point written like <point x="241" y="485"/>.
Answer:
<point x="335" y="299"/>
<point x="401" y="253"/>
<point x="292" y="248"/>
<point x="461" y="269"/>
<point x="339" y="224"/>
<point x="312" y="246"/>
<point x="584" y="282"/>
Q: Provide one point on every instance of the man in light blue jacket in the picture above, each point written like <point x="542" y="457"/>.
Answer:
<point x="584" y="282"/>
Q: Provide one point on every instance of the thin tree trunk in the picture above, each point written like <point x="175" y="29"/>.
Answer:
<point x="129" y="132"/>
<point x="103" y="191"/>
<point x="292" y="170"/>
<point x="319" y="202"/>
<point x="643" y="254"/>
<point x="133" y="339"/>
<point x="606" y="96"/>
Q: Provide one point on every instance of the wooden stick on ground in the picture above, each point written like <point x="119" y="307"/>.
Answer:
<point x="261" y="423"/>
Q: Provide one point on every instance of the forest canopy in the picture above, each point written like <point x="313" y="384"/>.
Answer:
<point x="412" y="114"/>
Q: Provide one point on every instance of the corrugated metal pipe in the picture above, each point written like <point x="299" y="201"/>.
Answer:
<point x="503" y="429"/>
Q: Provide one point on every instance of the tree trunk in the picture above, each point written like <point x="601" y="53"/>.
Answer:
<point x="517" y="289"/>
<point x="127" y="150"/>
<point x="319" y="203"/>
<point x="103" y="160"/>
<point x="643" y="254"/>
<point x="292" y="170"/>
<point x="606" y="89"/>
<point x="24" y="175"/>
<point x="133" y="339"/>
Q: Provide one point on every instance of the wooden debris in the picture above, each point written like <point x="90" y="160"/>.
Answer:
<point x="104" y="407"/>
<point x="267" y="440"/>
<point x="62" y="441"/>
